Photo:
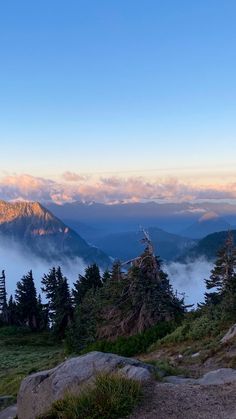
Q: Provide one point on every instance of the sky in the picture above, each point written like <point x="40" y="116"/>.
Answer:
<point x="130" y="92"/>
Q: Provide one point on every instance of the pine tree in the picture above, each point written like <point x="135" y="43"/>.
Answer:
<point x="59" y="306"/>
<point x="26" y="300"/>
<point x="49" y="287"/>
<point x="90" y="280"/>
<point x="12" y="312"/>
<point x="3" y="299"/>
<point x="63" y="306"/>
<point x="43" y="320"/>
<point x="106" y="276"/>
<point x="222" y="280"/>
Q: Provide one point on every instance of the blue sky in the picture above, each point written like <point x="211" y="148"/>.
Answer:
<point x="117" y="85"/>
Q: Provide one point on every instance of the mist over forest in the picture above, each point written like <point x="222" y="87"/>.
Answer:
<point x="186" y="278"/>
<point x="16" y="264"/>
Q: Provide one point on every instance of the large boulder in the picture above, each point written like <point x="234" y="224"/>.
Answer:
<point x="38" y="391"/>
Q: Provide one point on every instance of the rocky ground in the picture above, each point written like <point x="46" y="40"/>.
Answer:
<point x="170" y="401"/>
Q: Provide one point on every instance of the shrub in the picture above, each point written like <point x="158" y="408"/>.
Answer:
<point x="112" y="396"/>
<point x="133" y="345"/>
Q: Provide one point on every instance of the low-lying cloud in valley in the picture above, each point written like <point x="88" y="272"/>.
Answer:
<point x="17" y="263"/>
<point x="185" y="278"/>
<point x="188" y="278"/>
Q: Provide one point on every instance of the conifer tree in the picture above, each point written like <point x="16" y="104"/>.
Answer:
<point x="12" y="312"/>
<point x="59" y="306"/>
<point x="222" y="280"/>
<point x="90" y="280"/>
<point x="106" y="276"/>
<point x="26" y="300"/>
<point x="3" y="299"/>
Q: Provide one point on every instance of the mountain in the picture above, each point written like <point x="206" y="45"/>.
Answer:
<point x="106" y="219"/>
<point x="37" y="230"/>
<point x="208" y="223"/>
<point x="208" y="246"/>
<point x="127" y="245"/>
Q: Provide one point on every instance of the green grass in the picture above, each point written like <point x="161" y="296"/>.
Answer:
<point x="112" y="396"/>
<point x="22" y="353"/>
<point x="167" y="368"/>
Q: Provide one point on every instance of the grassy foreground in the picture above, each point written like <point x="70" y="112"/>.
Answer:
<point x="111" y="396"/>
<point x="22" y="353"/>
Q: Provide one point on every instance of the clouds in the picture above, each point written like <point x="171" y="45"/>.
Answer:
<point x="110" y="189"/>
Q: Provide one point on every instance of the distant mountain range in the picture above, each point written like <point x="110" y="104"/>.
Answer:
<point x="208" y="223"/>
<point x="37" y="230"/>
<point x="127" y="245"/>
<point x="93" y="220"/>
<point x="113" y="231"/>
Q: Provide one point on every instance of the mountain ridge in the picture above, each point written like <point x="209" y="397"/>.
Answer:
<point x="37" y="230"/>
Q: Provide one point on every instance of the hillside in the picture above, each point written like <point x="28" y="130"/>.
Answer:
<point x="208" y="223"/>
<point x="37" y="230"/>
<point x="208" y="246"/>
<point x="127" y="245"/>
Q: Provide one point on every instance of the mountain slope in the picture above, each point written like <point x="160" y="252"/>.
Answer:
<point x="208" y="223"/>
<point x="208" y="246"/>
<point x="37" y="230"/>
<point x="107" y="219"/>
<point x="127" y="245"/>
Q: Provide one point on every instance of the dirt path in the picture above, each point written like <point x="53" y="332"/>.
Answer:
<point x="169" y="401"/>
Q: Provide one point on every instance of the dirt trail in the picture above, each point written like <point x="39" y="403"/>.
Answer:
<point x="169" y="401"/>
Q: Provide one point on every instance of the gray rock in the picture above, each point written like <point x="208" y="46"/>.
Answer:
<point x="220" y="376"/>
<point x="38" y="391"/>
<point x="174" y="379"/>
<point x="229" y="335"/>
<point x="9" y="413"/>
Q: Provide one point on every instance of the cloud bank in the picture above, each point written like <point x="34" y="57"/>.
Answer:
<point x="188" y="279"/>
<point x="75" y="187"/>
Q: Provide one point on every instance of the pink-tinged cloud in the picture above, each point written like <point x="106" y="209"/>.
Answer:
<point x="109" y="189"/>
<point x="73" y="177"/>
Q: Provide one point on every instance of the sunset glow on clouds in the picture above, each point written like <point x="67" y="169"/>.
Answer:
<point x="110" y="189"/>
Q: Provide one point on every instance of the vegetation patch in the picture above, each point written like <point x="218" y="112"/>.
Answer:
<point x="22" y="353"/>
<point x="112" y="396"/>
<point x="133" y="345"/>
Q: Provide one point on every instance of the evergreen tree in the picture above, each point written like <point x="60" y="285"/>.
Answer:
<point x="43" y="320"/>
<point x="59" y="306"/>
<point x="12" y="312"/>
<point x="222" y="281"/>
<point x="106" y="276"/>
<point x="90" y="280"/>
<point x="49" y="287"/>
<point x="63" y="306"/>
<point x="26" y="300"/>
<point x="3" y="299"/>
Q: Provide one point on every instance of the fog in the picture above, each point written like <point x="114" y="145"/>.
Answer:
<point x="17" y="263"/>
<point x="189" y="278"/>
<point x="185" y="278"/>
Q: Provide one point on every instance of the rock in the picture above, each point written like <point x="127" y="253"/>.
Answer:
<point x="38" y="391"/>
<point x="229" y="335"/>
<point x="220" y="376"/>
<point x="174" y="379"/>
<point x="195" y="355"/>
<point x="9" y="413"/>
